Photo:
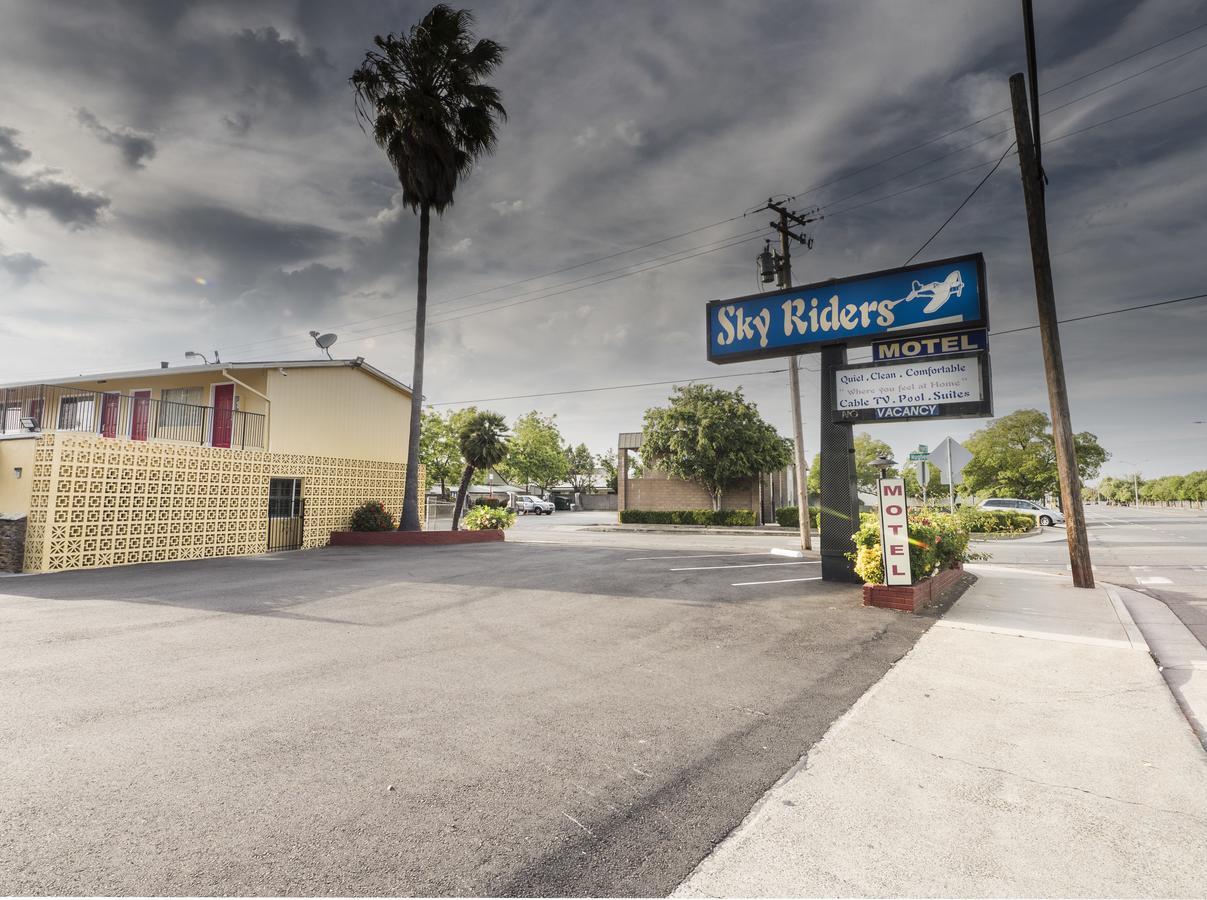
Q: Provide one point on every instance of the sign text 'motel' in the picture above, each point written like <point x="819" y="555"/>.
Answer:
<point x="933" y="297"/>
<point x="930" y="345"/>
<point x="894" y="531"/>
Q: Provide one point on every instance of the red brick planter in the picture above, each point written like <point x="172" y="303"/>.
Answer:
<point x="412" y="538"/>
<point x="915" y="597"/>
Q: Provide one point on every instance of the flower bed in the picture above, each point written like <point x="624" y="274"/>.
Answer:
<point x="938" y="549"/>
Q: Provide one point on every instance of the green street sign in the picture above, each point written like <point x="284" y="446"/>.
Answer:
<point x="919" y="456"/>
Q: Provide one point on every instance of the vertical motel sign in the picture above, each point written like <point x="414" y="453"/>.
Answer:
<point x="894" y="531"/>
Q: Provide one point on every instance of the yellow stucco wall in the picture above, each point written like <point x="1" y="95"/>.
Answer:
<point x="16" y="453"/>
<point x="102" y="501"/>
<point x="337" y="411"/>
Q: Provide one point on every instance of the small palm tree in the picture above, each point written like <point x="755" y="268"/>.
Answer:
<point x="483" y="442"/>
<point x="422" y="96"/>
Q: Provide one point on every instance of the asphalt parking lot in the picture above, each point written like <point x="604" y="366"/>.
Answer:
<point x="519" y="718"/>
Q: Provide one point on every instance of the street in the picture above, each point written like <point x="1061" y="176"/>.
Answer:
<point x="517" y="718"/>
<point x="1160" y="552"/>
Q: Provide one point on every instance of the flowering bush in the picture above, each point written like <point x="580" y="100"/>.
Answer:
<point x="937" y="541"/>
<point x="483" y="518"/>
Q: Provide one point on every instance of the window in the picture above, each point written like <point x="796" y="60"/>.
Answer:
<point x="284" y="498"/>
<point x="181" y="408"/>
<point x="75" y="413"/>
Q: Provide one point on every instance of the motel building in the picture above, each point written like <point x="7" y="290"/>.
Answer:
<point x="195" y="461"/>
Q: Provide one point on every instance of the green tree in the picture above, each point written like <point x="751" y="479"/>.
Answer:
<point x="1014" y="456"/>
<point x="713" y="437"/>
<point x="440" y="447"/>
<point x="422" y="95"/>
<point x="607" y="462"/>
<point x="867" y="448"/>
<point x="483" y="442"/>
<point x="580" y="468"/>
<point x="814" y="480"/>
<point x="536" y="455"/>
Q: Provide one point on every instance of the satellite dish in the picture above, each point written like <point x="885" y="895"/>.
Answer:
<point x="324" y="341"/>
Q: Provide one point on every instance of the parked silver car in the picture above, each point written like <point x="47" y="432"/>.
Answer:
<point x="526" y="503"/>
<point x="1043" y="515"/>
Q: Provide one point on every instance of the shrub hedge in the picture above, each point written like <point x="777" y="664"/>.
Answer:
<point x="991" y="521"/>
<point x="724" y="517"/>
<point x="492" y="502"/>
<point x="372" y="516"/>
<point x="789" y="516"/>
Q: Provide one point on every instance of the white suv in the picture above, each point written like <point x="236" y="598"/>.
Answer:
<point x="526" y="503"/>
<point x="1042" y="514"/>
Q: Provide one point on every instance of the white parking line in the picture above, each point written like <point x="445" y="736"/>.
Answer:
<point x="778" y="581"/>
<point x="698" y="555"/>
<point x="1152" y="579"/>
<point x="808" y="562"/>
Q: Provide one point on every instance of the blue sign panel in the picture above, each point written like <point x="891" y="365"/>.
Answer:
<point x="930" y="345"/>
<point x="933" y="297"/>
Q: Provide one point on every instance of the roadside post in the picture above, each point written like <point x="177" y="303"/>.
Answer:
<point x="927" y="326"/>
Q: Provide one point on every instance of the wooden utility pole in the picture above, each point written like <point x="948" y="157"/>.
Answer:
<point x="798" y="428"/>
<point x="1045" y="298"/>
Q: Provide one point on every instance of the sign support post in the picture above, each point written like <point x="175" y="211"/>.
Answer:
<point x="839" y="491"/>
<point x="1049" y="330"/>
<point x="951" y="478"/>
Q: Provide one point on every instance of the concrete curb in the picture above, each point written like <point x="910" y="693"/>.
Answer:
<point x="1134" y="634"/>
<point x="1180" y="658"/>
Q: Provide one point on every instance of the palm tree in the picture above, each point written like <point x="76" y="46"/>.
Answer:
<point x="422" y="95"/>
<point x="483" y="442"/>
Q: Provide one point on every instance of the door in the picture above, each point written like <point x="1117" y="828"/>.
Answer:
<point x="285" y="514"/>
<point x="224" y="415"/>
<point x="140" y="415"/>
<point x="110" y="404"/>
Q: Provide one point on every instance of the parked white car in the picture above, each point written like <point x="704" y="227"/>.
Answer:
<point x="526" y="503"/>
<point x="1043" y="515"/>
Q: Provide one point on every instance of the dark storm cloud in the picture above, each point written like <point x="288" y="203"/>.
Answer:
<point x="154" y="63"/>
<point x="10" y="150"/>
<point x="64" y="202"/>
<point x="136" y="146"/>
<point x="21" y="266"/>
<point x="243" y="248"/>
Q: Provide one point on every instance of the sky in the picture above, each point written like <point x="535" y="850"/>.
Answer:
<point x="189" y="176"/>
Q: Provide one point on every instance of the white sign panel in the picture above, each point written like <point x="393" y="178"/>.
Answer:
<point x="920" y="389"/>
<point x="894" y="531"/>
<point x="951" y="457"/>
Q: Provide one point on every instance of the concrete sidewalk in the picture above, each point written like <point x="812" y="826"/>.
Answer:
<point x="1027" y="746"/>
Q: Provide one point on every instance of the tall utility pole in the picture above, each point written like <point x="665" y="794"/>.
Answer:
<point x="1045" y="298"/>
<point x="798" y="428"/>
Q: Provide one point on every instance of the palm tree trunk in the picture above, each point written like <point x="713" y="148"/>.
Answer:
<point x="461" y="492"/>
<point x="409" y="521"/>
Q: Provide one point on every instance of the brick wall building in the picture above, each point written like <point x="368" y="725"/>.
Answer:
<point x="660" y="492"/>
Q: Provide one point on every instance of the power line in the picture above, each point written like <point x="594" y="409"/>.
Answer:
<point x="496" y="305"/>
<point x="994" y="115"/>
<point x="620" y="387"/>
<point x="963" y="203"/>
<point x="1005" y="131"/>
<point x="873" y="165"/>
<point x="1109" y="312"/>
<point x="614" y="387"/>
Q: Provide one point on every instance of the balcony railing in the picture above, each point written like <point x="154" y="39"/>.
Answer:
<point x="45" y="407"/>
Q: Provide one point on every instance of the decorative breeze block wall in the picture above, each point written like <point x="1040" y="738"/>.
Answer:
<point x="104" y="502"/>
